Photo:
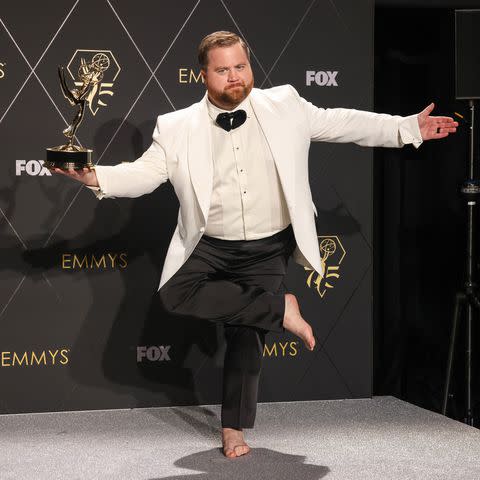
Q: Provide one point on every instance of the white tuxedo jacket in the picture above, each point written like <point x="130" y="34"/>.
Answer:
<point x="181" y="152"/>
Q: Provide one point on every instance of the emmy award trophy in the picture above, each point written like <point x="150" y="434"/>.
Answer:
<point x="90" y="75"/>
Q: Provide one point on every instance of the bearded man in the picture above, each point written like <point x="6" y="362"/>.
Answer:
<point x="238" y="161"/>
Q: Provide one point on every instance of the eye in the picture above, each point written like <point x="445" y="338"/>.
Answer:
<point x="240" y="67"/>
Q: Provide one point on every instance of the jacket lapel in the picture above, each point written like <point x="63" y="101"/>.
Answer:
<point x="200" y="156"/>
<point x="277" y="133"/>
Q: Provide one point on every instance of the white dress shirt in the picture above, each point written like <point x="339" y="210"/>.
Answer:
<point x="247" y="200"/>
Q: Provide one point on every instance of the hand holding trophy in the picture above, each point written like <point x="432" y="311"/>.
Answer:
<point x="72" y="158"/>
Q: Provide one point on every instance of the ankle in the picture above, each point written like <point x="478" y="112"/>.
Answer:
<point x="232" y="429"/>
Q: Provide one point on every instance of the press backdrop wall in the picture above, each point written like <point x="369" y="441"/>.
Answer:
<point x="81" y="325"/>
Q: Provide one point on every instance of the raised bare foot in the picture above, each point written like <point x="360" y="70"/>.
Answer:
<point x="233" y="443"/>
<point x="293" y="322"/>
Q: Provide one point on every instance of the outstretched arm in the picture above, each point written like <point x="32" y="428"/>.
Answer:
<point x="373" y="129"/>
<point x="129" y="179"/>
<point x="133" y="179"/>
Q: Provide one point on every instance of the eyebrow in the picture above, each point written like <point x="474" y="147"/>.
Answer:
<point x="237" y="65"/>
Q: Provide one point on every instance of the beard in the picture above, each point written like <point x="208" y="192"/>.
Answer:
<point x="232" y="96"/>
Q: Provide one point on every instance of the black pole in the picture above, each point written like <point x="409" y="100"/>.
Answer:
<point x="468" y="297"/>
<point x="471" y="264"/>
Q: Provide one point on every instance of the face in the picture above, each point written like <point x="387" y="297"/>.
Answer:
<point x="228" y="76"/>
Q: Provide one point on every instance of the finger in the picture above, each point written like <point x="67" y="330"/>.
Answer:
<point x="443" y="119"/>
<point x="439" y="135"/>
<point x="429" y="108"/>
<point x="442" y="125"/>
<point x="448" y="124"/>
<point x="72" y="172"/>
<point x="445" y="129"/>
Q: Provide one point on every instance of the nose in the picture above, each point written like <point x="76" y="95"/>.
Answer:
<point x="232" y="75"/>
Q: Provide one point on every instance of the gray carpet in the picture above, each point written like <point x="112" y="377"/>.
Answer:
<point x="382" y="438"/>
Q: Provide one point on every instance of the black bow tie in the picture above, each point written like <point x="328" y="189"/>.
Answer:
<point x="230" y="120"/>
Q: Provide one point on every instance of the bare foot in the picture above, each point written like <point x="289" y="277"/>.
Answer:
<point x="293" y="322"/>
<point x="233" y="443"/>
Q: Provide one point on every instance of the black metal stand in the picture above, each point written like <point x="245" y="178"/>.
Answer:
<point x="468" y="297"/>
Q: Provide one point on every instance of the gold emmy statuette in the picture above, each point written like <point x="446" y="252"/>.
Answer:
<point x="90" y="75"/>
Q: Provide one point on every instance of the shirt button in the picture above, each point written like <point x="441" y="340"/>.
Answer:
<point x="244" y="191"/>
<point x="202" y="230"/>
<point x="241" y="169"/>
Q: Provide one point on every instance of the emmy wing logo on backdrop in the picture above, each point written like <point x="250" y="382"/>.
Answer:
<point x="107" y="63"/>
<point x="332" y="254"/>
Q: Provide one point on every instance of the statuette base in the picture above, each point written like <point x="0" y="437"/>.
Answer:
<point x="65" y="158"/>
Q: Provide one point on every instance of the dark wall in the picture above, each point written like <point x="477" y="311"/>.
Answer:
<point x="420" y="217"/>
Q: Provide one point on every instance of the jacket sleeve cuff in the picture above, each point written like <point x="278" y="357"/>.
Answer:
<point x="409" y="131"/>
<point x="98" y="192"/>
<point x="101" y="191"/>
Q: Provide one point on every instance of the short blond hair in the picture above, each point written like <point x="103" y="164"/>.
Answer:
<point x="218" y="39"/>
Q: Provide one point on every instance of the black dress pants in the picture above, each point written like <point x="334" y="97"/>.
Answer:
<point x="239" y="284"/>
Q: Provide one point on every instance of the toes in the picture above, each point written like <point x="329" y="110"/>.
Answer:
<point x="241" y="449"/>
<point x="229" y="452"/>
<point x="236" y="451"/>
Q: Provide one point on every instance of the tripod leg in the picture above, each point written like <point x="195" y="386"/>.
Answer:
<point x="473" y="306"/>
<point x="468" y="366"/>
<point x="459" y="299"/>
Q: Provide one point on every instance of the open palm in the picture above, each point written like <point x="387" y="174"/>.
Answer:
<point x="432" y="127"/>
<point x="86" y="175"/>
